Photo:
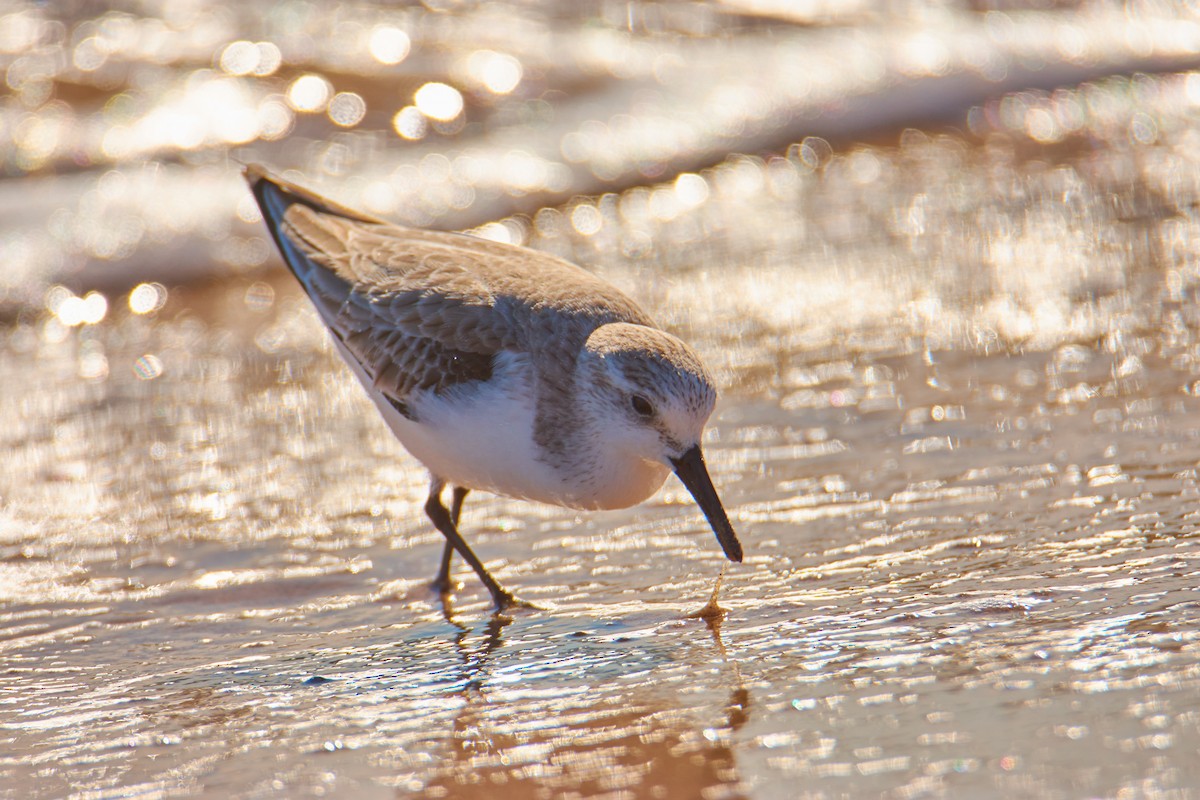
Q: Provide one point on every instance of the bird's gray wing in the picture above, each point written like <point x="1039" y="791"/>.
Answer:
<point x="415" y="316"/>
<point x="423" y="310"/>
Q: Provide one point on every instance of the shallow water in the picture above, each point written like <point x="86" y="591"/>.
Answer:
<point x="958" y="435"/>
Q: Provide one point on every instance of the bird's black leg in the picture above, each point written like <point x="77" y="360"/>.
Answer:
<point x="444" y="522"/>
<point x="441" y="582"/>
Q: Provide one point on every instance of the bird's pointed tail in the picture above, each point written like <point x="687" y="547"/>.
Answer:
<point x="307" y="260"/>
<point x="275" y="196"/>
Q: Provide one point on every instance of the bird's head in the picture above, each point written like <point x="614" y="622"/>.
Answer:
<point x="653" y="397"/>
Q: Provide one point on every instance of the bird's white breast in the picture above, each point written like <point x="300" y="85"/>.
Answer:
<point x="481" y="436"/>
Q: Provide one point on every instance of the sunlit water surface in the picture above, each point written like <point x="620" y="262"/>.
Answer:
<point x="958" y="436"/>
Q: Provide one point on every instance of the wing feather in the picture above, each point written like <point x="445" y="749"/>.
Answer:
<point x="427" y="310"/>
<point x="409" y="324"/>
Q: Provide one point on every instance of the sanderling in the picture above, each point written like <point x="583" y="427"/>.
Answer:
<point x="500" y="368"/>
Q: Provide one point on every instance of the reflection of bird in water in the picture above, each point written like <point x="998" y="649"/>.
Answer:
<point x="475" y="664"/>
<point x="469" y="739"/>
<point x="501" y="368"/>
<point x="738" y="708"/>
<point x="542" y="736"/>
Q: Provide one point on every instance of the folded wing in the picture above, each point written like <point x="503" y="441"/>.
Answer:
<point x="406" y="307"/>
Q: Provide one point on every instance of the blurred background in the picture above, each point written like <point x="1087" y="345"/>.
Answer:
<point x="942" y="255"/>
<point x="124" y="125"/>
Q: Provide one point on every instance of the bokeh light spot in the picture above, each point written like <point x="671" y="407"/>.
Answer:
<point x="499" y="73"/>
<point x="389" y="45"/>
<point x="93" y="365"/>
<point x="691" y="189"/>
<point x="347" y="109"/>
<point x="1042" y="126"/>
<point x="259" y="296"/>
<point x="55" y="297"/>
<point x="275" y="119"/>
<point x="924" y="54"/>
<point x="72" y="310"/>
<point x="148" y="367"/>
<point x="147" y="297"/>
<point x="239" y="58"/>
<point x="309" y="93"/>
<point x="586" y="220"/>
<point x="70" y="313"/>
<point x="410" y="123"/>
<point x="88" y="55"/>
<point x="95" y="308"/>
<point x="269" y="59"/>
<point x="439" y="101"/>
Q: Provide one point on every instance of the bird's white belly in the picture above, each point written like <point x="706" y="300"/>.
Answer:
<point x="481" y="436"/>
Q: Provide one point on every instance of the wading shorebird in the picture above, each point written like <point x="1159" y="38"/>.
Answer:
<point x="500" y="368"/>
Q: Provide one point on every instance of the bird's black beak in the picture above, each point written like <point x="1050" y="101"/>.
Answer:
<point x="691" y="470"/>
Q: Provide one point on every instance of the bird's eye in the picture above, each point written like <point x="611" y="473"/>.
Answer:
<point x="641" y="406"/>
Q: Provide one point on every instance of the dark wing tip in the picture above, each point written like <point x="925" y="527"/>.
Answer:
<point x="275" y="195"/>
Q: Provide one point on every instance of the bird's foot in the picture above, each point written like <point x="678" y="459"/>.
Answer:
<point x="443" y="586"/>
<point x="506" y="601"/>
